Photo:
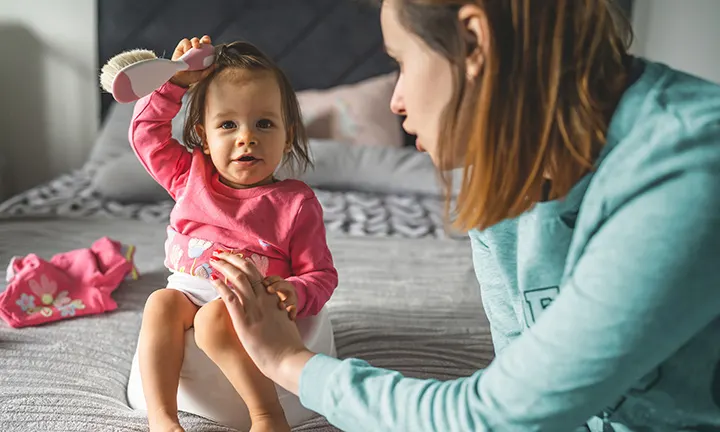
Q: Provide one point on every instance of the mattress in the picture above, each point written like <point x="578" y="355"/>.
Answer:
<point x="409" y="304"/>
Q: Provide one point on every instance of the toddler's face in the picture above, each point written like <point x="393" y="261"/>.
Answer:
<point x="244" y="132"/>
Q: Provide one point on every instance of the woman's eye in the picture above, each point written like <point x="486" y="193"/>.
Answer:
<point x="264" y="124"/>
<point x="228" y="125"/>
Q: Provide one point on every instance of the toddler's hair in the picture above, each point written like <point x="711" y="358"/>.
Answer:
<point x="244" y="55"/>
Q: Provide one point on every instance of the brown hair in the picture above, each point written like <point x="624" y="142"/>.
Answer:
<point x="541" y="106"/>
<point x="244" y="55"/>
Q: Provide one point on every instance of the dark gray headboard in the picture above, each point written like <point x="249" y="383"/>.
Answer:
<point x="318" y="43"/>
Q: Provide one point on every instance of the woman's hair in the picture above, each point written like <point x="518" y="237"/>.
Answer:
<point x="243" y="55"/>
<point x="552" y="76"/>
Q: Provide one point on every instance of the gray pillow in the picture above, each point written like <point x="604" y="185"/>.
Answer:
<point x="338" y="166"/>
<point x="126" y="180"/>
<point x="345" y="166"/>
<point x="112" y="141"/>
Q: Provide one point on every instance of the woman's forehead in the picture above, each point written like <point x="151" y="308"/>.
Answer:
<point x="393" y="31"/>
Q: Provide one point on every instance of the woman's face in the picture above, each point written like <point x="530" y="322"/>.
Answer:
<point x="424" y="87"/>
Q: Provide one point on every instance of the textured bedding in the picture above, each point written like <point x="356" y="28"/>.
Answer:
<point x="350" y="212"/>
<point x="409" y="304"/>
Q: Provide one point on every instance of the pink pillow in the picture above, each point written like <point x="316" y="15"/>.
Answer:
<point x="356" y="113"/>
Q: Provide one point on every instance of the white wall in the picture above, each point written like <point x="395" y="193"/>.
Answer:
<point x="48" y="88"/>
<point x="681" y="33"/>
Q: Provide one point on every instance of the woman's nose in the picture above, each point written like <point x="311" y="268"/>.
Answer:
<point x="397" y="104"/>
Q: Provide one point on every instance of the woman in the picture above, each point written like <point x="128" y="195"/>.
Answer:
<point x="592" y="188"/>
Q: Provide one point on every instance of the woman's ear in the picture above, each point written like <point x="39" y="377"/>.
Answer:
<point x="474" y="25"/>
<point x="200" y="131"/>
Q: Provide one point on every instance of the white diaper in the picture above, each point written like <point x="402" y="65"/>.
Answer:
<point x="200" y="291"/>
<point x="205" y="391"/>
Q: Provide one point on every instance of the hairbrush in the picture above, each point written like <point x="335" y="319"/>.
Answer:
<point x="134" y="74"/>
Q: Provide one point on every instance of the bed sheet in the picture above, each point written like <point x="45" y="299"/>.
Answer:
<point x="408" y="304"/>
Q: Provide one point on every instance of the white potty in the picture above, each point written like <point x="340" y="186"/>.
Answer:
<point x="205" y="391"/>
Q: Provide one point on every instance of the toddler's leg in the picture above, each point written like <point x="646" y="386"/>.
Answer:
<point x="215" y="335"/>
<point x="167" y="316"/>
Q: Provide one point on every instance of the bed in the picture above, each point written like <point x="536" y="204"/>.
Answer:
<point x="407" y="299"/>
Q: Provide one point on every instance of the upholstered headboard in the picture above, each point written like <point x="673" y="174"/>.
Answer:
<point x="318" y="43"/>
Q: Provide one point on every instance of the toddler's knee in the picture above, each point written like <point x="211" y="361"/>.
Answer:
<point x="165" y="304"/>
<point x="213" y="327"/>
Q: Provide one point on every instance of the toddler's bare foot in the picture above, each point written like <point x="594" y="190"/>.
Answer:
<point x="165" y="423"/>
<point x="269" y="423"/>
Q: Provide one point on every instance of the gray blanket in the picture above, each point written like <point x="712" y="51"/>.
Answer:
<point x="357" y="213"/>
<point x="407" y="304"/>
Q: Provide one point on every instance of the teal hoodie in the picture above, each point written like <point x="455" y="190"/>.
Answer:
<point x="604" y="306"/>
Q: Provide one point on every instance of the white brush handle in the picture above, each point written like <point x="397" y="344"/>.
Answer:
<point x="197" y="58"/>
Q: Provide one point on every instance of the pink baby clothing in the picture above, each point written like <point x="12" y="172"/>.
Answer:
<point x="277" y="226"/>
<point x="70" y="284"/>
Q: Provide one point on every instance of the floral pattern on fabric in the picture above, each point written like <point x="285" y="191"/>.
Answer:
<point x="203" y="271"/>
<point x="196" y="247"/>
<point x="191" y="255"/>
<point x="50" y="303"/>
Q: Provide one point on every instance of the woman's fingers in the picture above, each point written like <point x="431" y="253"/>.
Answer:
<point x="232" y="298"/>
<point x="228" y="270"/>
<point x="195" y="42"/>
<point x="245" y="266"/>
<point x="206" y="40"/>
<point x="245" y="289"/>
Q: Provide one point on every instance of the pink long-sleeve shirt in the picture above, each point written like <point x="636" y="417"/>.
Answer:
<point x="278" y="226"/>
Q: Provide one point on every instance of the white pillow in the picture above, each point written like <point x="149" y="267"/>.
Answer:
<point x="356" y="113"/>
<point x="390" y="170"/>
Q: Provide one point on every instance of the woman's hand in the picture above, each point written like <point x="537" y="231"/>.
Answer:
<point x="270" y="338"/>
<point x="188" y="78"/>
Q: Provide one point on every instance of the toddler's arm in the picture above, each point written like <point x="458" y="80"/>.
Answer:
<point x="315" y="277"/>
<point x="167" y="161"/>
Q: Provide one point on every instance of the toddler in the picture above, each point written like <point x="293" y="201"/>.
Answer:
<point x="243" y="122"/>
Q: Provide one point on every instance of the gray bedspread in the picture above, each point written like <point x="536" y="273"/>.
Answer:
<point x="406" y="304"/>
<point x="361" y="214"/>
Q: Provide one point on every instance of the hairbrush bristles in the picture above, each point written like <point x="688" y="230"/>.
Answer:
<point x="119" y="62"/>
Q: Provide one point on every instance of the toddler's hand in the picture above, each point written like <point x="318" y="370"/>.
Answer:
<point x="285" y="292"/>
<point x="188" y="78"/>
